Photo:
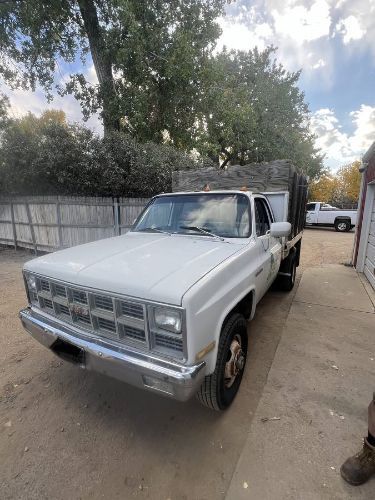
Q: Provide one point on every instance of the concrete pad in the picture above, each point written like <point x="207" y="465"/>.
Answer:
<point x="319" y="388"/>
<point x="334" y="286"/>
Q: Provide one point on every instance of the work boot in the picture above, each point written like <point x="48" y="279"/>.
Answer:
<point x="358" y="469"/>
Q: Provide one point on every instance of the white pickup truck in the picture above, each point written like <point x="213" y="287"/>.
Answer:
<point x="323" y="214"/>
<point x="165" y="306"/>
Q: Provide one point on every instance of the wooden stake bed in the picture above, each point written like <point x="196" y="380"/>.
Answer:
<point x="278" y="175"/>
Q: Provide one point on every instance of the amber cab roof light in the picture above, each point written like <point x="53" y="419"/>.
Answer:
<point x="207" y="188"/>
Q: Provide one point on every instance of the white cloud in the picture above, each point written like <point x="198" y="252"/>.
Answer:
<point x="298" y="27"/>
<point x="295" y="27"/>
<point x="320" y="63"/>
<point x="301" y="23"/>
<point x="91" y="75"/>
<point x="339" y="147"/>
<point x="364" y="121"/>
<point x="350" y="29"/>
<point x="238" y="36"/>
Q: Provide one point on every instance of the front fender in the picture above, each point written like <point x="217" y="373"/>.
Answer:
<point x="210" y="301"/>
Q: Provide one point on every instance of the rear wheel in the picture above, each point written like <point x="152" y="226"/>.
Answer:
<point x="286" y="282"/>
<point x="220" y="388"/>
<point x="342" y="226"/>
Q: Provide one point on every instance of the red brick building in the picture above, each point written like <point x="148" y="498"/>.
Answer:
<point x="364" y="243"/>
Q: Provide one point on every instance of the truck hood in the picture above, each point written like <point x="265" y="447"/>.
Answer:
<point x="150" y="266"/>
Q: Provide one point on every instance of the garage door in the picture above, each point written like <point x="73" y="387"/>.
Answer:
<point x="369" y="268"/>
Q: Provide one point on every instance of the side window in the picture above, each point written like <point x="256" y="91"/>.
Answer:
<point x="310" y="206"/>
<point x="262" y="219"/>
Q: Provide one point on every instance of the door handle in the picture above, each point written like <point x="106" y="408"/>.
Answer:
<point x="258" y="272"/>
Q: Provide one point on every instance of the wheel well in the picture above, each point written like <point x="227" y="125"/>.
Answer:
<point x="294" y="255"/>
<point x="343" y="219"/>
<point x="244" y="307"/>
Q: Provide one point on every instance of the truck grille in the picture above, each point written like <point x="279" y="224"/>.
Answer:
<point x="79" y="297"/>
<point x="173" y="343"/>
<point x="104" y="303"/>
<point x="131" y="309"/>
<point x="132" y="333"/>
<point x="103" y="315"/>
<point x="44" y="286"/>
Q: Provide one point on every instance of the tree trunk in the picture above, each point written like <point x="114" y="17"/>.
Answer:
<point x="102" y="63"/>
<point x="224" y="164"/>
<point x="228" y="156"/>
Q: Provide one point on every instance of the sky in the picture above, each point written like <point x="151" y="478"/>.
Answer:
<point x="332" y="41"/>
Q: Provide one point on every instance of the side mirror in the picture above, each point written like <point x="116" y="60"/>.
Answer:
<point x="280" y="229"/>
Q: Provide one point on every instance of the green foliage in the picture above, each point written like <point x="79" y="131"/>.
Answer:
<point x="255" y="112"/>
<point x="161" y="70"/>
<point x="158" y="80"/>
<point x="4" y="108"/>
<point x="339" y="189"/>
<point x="47" y="155"/>
<point x="147" y="54"/>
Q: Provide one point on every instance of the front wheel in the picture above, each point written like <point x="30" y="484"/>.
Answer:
<point x="342" y="226"/>
<point x="220" y="388"/>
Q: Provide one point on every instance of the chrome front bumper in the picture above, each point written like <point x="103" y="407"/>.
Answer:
<point x="141" y="369"/>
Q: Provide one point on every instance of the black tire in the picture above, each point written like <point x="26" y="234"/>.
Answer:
<point x="342" y="226"/>
<point x="215" y="392"/>
<point x="286" y="282"/>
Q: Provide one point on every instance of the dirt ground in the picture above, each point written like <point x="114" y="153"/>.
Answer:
<point x="67" y="433"/>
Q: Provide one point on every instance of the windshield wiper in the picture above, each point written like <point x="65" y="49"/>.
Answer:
<point x="153" y="229"/>
<point x="203" y="231"/>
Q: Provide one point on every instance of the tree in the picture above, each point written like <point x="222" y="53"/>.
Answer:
<point x="341" y="188"/>
<point x="255" y="112"/>
<point x="323" y="189"/>
<point x="147" y="56"/>
<point x="33" y="150"/>
<point x="350" y="181"/>
<point x="48" y="155"/>
<point x="4" y="108"/>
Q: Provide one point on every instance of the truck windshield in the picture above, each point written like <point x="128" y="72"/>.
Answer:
<point x="224" y="215"/>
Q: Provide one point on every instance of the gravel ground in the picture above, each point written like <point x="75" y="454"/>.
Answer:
<point x="67" y="433"/>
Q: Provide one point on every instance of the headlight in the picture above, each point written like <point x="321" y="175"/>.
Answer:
<point x="31" y="282"/>
<point x="168" y="319"/>
<point x="31" y="287"/>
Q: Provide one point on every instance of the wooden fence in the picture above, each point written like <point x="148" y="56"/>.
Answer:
<point x="48" y="223"/>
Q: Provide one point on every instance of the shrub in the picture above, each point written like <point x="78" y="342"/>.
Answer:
<point x="48" y="156"/>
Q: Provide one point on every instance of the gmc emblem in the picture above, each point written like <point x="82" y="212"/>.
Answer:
<point x="82" y="311"/>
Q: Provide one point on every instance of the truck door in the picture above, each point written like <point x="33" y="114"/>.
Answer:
<point x="327" y="214"/>
<point x="312" y="213"/>
<point x="269" y="247"/>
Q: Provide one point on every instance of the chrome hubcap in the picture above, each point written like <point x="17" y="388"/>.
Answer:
<point x="235" y="363"/>
<point x="341" y="226"/>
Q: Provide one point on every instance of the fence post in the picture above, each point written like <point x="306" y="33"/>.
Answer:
<point x="13" y="225"/>
<point x="31" y="228"/>
<point x="59" y="228"/>
<point x="116" y="213"/>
